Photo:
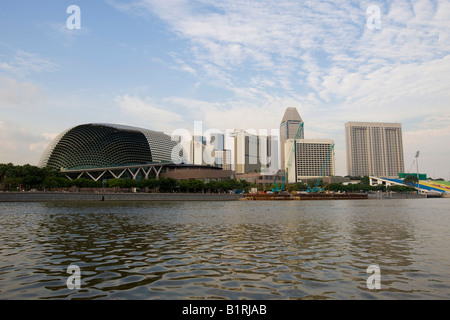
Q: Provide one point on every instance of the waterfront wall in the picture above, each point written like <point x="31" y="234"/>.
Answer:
<point x="397" y="196"/>
<point x="67" y="196"/>
<point x="92" y="196"/>
<point x="307" y="196"/>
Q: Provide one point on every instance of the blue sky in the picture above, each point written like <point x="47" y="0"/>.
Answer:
<point x="162" y="65"/>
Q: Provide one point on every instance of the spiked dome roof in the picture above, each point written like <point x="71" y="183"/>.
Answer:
<point x="105" y="145"/>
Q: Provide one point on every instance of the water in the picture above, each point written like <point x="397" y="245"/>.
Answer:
<point x="226" y="250"/>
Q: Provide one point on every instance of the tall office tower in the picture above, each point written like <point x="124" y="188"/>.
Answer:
<point x="310" y="159"/>
<point x="197" y="150"/>
<point x="272" y="153"/>
<point x="246" y="152"/>
<point x="223" y="159"/>
<point x="193" y="150"/>
<point x="374" y="149"/>
<point x="288" y="130"/>
<point x="217" y="140"/>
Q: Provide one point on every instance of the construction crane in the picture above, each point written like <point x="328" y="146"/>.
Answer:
<point x="291" y="158"/>
<point x="316" y="187"/>
<point x="276" y="187"/>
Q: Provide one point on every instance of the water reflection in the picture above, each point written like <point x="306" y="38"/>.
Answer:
<point x="232" y="250"/>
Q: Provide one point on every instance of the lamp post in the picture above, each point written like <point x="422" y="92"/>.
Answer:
<point x="418" y="179"/>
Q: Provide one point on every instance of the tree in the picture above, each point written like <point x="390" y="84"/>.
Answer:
<point x="53" y="182"/>
<point x="26" y="177"/>
<point x="86" y="183"/>
<point x="244" y="185"/>
<point x="400" y="189"/>
<point x="337" y="187"/>
<point x="410" y="180"/>
<point x="299" y="186"/>
<point x="149" y="183"/>
<point x="167" y="184"/>
<point x="212" y="186"/>
<point x="198" y="185"/>
<point x="12" y="183"/>
<point x="114" y="183"/>
<point x="365" y="180"/>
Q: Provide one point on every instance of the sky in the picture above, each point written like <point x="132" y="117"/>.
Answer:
<point x="165" y="64"/>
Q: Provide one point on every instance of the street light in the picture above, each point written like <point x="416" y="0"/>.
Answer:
<point x="418" y="179"/>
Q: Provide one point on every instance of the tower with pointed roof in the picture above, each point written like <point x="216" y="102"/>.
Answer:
<point x="288" y="130"/>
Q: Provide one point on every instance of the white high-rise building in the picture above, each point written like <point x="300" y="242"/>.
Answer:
<point x="246" y="152"/>
<point x="193" y="150"/>
<point x="374" y="149"/>
<point x="272" y="154"/>
<point x="309" y="159"/>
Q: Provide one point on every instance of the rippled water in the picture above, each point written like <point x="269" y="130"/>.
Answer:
<point x="226" y="250"/>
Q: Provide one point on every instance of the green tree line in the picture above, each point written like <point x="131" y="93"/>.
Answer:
<point x="28" y="177"/>
<point x="363" y="186"/>
<point x="171" y="185"/>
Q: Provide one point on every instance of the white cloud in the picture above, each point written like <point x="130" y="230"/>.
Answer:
<point x="15" y="94"/>
<point x="148" y="113"/>
<point x="285" y="38"/>
<point x="60" y="29"/>
<point x="19" y="145"/>
<point x="400" y="92"/>
<point x="25" y="63"/>
<point x="434" y="152"/>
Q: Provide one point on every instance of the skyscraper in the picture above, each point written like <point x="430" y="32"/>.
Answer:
<point x="272" y="153"/>
<point x="246" y="152"/>
<point x="374" y="149"/>
<point x="223" y="159"/>
<point x="289" y="126"/>
<point x="217" y="140"/>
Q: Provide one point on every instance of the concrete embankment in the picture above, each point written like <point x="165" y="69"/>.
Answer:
<point x="69" y="196"/>
<point x="397" y="196"/>
<point x="306" y="196"/>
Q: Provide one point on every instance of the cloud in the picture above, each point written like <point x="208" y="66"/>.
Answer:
<point x="63" y="34"/>
<point x="24" y="64"/>
<point x="434" y="152"/>
<point x="403" y="92"/>
<point x="20" y="146"/>
<point x="15" y="94"/>
<point x="231" y="41"/>
<point x="148" y="114"/>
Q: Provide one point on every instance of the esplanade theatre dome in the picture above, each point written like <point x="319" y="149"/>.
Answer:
<point x="105" y="145"/>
